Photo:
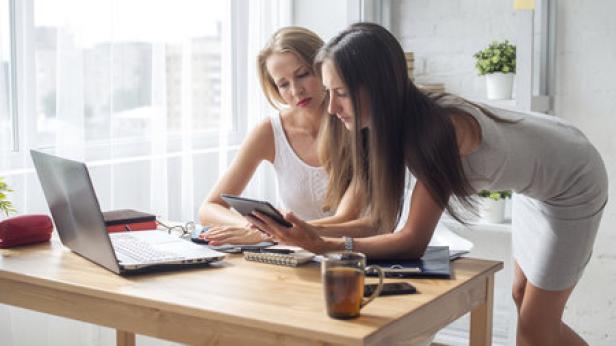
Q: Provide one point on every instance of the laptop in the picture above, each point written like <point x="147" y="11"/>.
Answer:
<point x="81" y="227"/>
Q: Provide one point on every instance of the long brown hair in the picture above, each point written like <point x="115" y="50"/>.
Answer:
<point x="407" y="128"/>
<point x="335" y="155"/>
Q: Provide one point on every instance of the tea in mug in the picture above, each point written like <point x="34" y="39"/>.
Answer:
<point x="344" y="289"/>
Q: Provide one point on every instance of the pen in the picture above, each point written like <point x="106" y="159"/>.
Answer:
<point x="281" y="251"/>
<point x="409" y="270"/>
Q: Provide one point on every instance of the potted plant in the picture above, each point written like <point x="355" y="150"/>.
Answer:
<point x="492" y="205"/>
<point x="6" y="207"/>
<point x="497" y="63"/>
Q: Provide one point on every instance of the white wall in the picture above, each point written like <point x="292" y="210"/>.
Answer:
<point x="445" y="34"/>
<point x="585" y="94"/>
<point x="324" y="17"/>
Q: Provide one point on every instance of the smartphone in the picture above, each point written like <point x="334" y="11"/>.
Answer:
<point x="246" y="206"/>
<point x="390" y="288"/>
<point x="195" y="236"/>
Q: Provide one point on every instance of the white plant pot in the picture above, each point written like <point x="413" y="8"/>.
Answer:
<point x="491" y="211"/>
<point x="499" y="85"/>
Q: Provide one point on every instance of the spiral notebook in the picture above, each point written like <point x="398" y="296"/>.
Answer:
<point x="292" y="259"/>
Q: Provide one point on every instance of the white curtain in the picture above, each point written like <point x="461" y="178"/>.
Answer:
<point x="157" y="118"/>
<point x="265" y="17"/>
<point x="154" y="96"/>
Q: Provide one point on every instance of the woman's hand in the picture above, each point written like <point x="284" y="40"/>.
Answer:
<point x="301" y="234"/>
<point x="219" y="235"/>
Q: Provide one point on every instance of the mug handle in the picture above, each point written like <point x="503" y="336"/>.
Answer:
<point x="376" y="292"/>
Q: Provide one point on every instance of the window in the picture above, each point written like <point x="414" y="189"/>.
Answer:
<point x="154" y="96"/>
<point x="125" y="71"/>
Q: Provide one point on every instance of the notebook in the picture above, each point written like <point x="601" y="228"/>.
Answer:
<point x="296" y="257"/>
<point x="434" y="263"/>
<point x="77" y="215"/>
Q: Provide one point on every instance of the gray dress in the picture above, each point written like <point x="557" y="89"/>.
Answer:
<point x="560" y="183"/>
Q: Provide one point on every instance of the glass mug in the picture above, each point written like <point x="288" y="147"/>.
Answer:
<point x="343" y="276"/>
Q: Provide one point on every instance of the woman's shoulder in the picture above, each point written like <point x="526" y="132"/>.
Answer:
<point x="264" y="130"/>
<point x="260" y="141"/>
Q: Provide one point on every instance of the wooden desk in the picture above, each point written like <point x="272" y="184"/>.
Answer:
<point x="238" y="302"/>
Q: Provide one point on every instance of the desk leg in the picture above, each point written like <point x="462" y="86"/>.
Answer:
<point x="481" y="318"/>
<point x="125" y="338"/>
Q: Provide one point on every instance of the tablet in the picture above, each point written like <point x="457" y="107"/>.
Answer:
<point x="246" y="206"/>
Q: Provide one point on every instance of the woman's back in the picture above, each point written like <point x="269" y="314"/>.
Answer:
<point x="536" y="155"/>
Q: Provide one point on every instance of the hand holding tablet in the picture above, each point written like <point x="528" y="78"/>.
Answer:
<point x="247" y="206"/>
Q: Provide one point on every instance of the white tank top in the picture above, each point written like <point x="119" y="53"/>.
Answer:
<point x="301" y="187"/>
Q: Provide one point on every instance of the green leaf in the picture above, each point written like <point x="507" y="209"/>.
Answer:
<point x="494" y="195"/>
<point x="497" y="57"/>
<point x="7" y="208"/>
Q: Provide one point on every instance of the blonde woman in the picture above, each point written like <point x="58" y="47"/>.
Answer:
<point x="290" y="142"/>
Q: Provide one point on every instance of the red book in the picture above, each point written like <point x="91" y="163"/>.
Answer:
<point x="134" y="226"/>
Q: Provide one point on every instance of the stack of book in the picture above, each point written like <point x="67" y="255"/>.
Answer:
<point x="124" y="220"/>
<point x="425" y="87"/>
<point x="410" y="61"/>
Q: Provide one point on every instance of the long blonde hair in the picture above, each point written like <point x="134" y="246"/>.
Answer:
<point x="291" y="39"/>
<point x="335" y="153"/>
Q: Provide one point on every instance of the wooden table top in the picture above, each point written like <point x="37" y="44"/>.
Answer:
<point x="237" y="292"/>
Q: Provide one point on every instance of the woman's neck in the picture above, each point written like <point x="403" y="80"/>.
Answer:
<point x="309" y="120"/>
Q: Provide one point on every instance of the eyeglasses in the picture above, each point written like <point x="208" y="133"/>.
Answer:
<point x="182" y="231"/>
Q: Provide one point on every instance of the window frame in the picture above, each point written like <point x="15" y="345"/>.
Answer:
<point x="12" y="100"/>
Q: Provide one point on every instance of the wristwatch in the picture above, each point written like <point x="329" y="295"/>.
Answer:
<point x="348" y="243"/>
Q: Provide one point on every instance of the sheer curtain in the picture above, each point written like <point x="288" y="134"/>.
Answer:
<point x="155" y="97"/>
<point x="265" y="17"/>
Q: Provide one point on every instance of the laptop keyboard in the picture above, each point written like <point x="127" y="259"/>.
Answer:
<point x="141" y="251"/>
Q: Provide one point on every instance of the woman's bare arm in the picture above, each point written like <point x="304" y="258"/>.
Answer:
<point x="258" y="146"/>
<point x="410" y="242"/>
<point x="347" y="217"/>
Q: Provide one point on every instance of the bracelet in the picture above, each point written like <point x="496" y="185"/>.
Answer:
<point x="348" y="243"/>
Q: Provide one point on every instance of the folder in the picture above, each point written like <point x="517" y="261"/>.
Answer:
<point x="434" y="263"/>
